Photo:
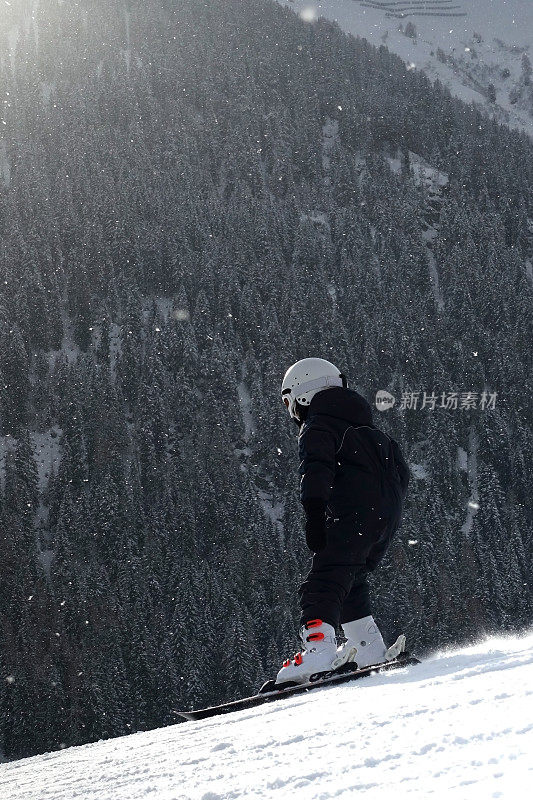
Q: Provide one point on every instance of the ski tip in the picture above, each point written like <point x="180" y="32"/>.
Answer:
<point x="185" y="715"/>
<point x="271" y="687"/>
<point x="268" y="686"/>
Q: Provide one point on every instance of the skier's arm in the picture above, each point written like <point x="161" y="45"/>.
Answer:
<point x="317" y="448"/>
<point x="317" y="467"/>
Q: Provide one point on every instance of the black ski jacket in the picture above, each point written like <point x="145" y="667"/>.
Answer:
<point x="348" y="463"/>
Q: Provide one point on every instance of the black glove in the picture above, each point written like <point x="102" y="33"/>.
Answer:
<point x="315" y="526"/>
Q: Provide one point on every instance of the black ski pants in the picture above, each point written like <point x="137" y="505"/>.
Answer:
<point x="336" y="589"/>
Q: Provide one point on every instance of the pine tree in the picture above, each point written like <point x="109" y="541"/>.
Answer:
<point x="15" y="386"/>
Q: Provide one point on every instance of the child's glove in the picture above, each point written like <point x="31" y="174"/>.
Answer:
<point x="315" y="526"/>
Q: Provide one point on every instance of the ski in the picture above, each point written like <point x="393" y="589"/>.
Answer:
<point x="268" y="694"/>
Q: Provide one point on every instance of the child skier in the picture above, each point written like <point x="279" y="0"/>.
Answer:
<point x="353" y="483"/>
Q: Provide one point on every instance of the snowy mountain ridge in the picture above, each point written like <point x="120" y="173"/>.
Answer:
<point x="429" y="8"/>
<point x="458" y="725"/>
<point x="479" y="49"/>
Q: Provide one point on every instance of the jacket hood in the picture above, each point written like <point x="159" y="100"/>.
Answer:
<point x="342" y="403"/>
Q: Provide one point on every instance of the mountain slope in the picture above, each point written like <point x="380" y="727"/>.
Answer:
<point x="459" y="722"/>
<point x="479" y="49"/>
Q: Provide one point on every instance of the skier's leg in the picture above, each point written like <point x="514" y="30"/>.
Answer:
<point x="365" y="643"/>
<point x="325" y="588"/>
<point x="321" y="597"/>
<point x="333" y="573"/>
<point x="357" y="602"/>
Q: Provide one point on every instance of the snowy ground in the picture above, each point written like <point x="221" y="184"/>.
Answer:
<point x="459" y="726"/>
<point x="466" y="53"/>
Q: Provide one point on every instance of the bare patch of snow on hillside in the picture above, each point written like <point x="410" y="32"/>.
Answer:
<point x="245" y="402"/>
<point x="318" y="217"/>
<point x="46" y="453"/>
<point x="272" y="506"/>
<point x="115" y="348"/>
<point x="46" y="92"/>
<point x="274" y="510"/>
<point x="332" y="293"/>
<point x="69" y="349"/>
<point x="426" y="175"/>
<point x="419" y="471"/>
<point x="434" y="280"/>
<point x="46" y="557"/>
<point x="5" y="166"/>
<point x="462" y="459"/>
<point x="330" y="136"/>
<point x="395" y="164"/>
<point x="472" y="505"/>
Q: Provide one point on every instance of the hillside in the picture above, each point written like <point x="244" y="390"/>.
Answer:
<point x="193" y="196"/>
<point x="458" y="725"/>
<point x="480" y="49"/>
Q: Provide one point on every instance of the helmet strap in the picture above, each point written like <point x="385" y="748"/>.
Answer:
<point x="300" y="411"/>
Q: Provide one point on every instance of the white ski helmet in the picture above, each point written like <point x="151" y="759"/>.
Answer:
<point x="305" y="379"/>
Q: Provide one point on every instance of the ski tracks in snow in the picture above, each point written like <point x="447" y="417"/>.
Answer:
<point x="459" y="725"/>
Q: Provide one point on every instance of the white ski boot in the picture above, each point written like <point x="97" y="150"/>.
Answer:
<point x="320" y="643"/>
<point x="365" y="644"/>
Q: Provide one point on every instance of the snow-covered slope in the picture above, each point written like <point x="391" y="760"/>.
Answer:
<point x="468" y="45"/>
<point x="460" y="725"/>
